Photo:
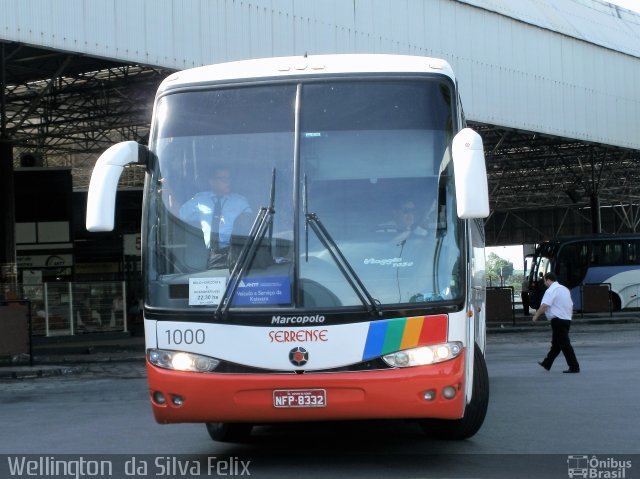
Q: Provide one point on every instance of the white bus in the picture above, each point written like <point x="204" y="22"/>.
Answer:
<point x="597" y="259"/>
<point x="312" y="244"/>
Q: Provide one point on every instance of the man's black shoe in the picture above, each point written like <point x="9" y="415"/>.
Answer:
<point x="544" y="365"/>
<point x="571" y="371"/>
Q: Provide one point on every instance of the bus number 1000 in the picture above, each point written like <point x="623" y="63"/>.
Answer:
<point x="185" y="336"/>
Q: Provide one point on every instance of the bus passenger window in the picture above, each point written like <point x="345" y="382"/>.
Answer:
<point x="633" y="252"/>
<point x="573" y="262"/>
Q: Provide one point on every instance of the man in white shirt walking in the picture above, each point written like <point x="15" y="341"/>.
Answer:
<point x="557" y="306"/>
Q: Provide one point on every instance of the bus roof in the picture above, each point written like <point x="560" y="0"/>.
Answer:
<point x="295" y="66"/>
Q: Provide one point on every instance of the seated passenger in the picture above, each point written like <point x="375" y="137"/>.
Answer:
<point x="215" y="212"/>
<point x="404" y="223"/>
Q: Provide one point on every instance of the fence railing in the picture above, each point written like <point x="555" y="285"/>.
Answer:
<point x="69" y="308"/>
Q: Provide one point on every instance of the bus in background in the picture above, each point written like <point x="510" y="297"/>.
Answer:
<point x="344" y="279"/>
<point x="592" y="259"/>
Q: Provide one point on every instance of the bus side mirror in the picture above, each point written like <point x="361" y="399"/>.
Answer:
<point x="470" y="172"/>
<point x="101" y="199"/>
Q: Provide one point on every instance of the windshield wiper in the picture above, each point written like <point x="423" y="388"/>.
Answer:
<point x="262" y="223"/>
<point x="311" y="219"/>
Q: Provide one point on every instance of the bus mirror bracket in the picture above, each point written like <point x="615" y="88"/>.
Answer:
<point x="470" y="173"/>
<point x="101" y="199"/>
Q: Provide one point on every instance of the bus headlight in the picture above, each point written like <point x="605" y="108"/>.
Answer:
<point x="181" y="361"/>
<point x="423" y="355"/>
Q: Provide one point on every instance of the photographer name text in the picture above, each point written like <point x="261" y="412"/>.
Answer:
<point x="160" y="466"/>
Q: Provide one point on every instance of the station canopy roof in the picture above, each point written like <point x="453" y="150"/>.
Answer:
<point x="68" y="108"/>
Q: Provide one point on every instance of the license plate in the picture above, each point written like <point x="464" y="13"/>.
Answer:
<point x="299" y="398"/>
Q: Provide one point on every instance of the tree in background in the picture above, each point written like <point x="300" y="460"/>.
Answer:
<point x="499" y="270"/>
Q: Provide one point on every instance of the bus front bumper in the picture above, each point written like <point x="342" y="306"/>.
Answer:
<point x="417" y="392"/>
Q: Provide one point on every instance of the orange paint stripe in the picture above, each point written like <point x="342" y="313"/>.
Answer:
<point x="412" y="332"/>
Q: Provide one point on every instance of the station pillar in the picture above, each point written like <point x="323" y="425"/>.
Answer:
<point x="8" y="266"/>
<point x="596" y="221"/>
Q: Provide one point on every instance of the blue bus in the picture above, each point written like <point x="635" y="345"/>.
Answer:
<point x="592" y="259"/>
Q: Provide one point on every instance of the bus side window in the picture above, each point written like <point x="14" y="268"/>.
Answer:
<point x="633" y="252"/>
<point x="612" y="253"/>
<point x="595" y="254"/>
<point x="573" y="262"/>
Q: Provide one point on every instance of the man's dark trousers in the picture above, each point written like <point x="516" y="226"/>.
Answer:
<point x="560" y="342"/>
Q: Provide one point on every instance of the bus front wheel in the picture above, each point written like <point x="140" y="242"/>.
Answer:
<point x="474" y="413"/>
<point x="229" y="432"/>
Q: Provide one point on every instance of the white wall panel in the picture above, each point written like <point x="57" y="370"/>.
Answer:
<point x="539" y="65"/>
<point x="100" y="28"/>
<point x="129" y="36"/>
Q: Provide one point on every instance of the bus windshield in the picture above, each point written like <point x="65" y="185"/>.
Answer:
<point x="304" y="195"/>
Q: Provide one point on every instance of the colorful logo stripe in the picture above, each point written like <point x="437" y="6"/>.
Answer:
<point x="392" y="335"/>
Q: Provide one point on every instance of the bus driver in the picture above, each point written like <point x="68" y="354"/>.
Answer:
<point x="215" y="212"/>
